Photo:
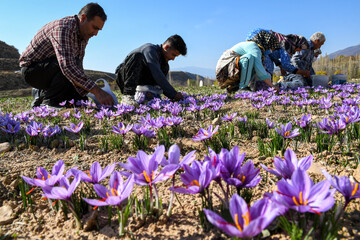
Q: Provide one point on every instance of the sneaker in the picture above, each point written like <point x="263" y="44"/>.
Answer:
<point x="37" y="99"/>
<point x="129" y="100"/>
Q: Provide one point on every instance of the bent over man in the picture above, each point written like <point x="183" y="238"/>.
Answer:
<point x="53" y="61"/>
<point x="142" y="75"/>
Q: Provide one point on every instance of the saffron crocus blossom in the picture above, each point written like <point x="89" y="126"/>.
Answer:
<point x="286" y="132"/>
<point x="77" y="115"/>
<point x="96" y="174"/>
<point x="121" y="128"/>
<point x="331" y="126"/>
<point x="270" y="124"/>
<point x="44" y="179"/>
<point x="64" y="191"/>
<point x="258" y="105"/>
<point x="11" y="127"/>
<point x="66" y="114"/>
<point x="117" y="192"/>
<point x="49" y="131"/>
<point x="174" y="157"/>
<point x="350" y="190"/>
<point x="229" y="117"/>
<point x="196" y="178"/>
<point x="243" y="119"/>
<point x="75" y="128"/>
<point x="204" y="134"/>
<point x="232" y="171"/>
<point x="245" y="176"/>
<point x="248" y="221"/>
<point x="304" y="120"/>
<point x="300" y="193"/>
<point x="286" y="167"/>
<point x="145" y="167"/>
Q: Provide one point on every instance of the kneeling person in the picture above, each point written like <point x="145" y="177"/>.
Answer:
<point x="53" y="61"/>
<point x="142" y="75"/>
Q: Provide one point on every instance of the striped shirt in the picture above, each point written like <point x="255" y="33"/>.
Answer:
<point x="61" y="39"/>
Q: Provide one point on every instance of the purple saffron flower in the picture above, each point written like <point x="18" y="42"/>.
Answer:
<point x="258" y="105"/>
<point x="300" y="193"/>
<point x="270" y="124"/>
<point x="304" y="120"/>
<point x="96" y="174"/>
<point x="174" y="157"/>
<point x="121" y="129"/>
<point x="43" y="178"/>
<point x="62" y="103"/>
<point x="75" y="128"/>
<point x="286" y="132"/>
<point x="145" y="167"/>
<point x="11" y="127"/>
<point x="248" y="221"/>
<point x="243" y="119"/>
<point x="196" y="178"/>
<point x="350" y="190"/>
<point x="49" y="131"/>
<point x="99" y="115"/>
<point x="331" y="126"/>
<point x="77" y="115"/>
<point x="139" y="129"/>
<point x="66" y="114"/>
<point x="285" y="168"/>
<point x="229" y="117"/>
<point x="63" y="192"/>
<point x="118" y="191"/>
<point x="204" y="134"/>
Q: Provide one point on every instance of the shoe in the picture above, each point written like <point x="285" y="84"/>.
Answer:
<point x="56" y="108"/>
<point x="37" y="99"/>
<point x="129" y="100"/>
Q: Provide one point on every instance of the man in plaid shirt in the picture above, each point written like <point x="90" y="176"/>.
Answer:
<point x="52" y="63"/>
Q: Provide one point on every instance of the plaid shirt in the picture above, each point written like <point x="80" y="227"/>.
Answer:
<point x="61" y="38"/>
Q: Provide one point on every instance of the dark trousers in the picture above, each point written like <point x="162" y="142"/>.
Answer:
<point x="53" y="86"/>
<point x="133" y="72"/>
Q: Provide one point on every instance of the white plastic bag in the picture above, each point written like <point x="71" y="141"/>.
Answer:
<point x="107" y="89"/>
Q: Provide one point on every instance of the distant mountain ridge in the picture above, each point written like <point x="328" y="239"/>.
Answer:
<point x="350" y="51"/>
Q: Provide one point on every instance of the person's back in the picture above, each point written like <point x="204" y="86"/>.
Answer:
<point x="142" y="75"/>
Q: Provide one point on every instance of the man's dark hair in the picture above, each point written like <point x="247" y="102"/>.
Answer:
<point x="176" y="42"/>
<point x="91" y="10"/>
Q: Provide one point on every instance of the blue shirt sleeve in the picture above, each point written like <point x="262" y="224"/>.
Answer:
<point x="286" y="61"/>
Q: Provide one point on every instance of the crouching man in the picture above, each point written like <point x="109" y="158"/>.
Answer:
<point x="142" y="75"/>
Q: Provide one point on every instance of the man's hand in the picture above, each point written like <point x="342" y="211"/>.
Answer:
<point x="304" y="73"/>
<point x="178" y="96"/>
<point x="103" y="97"/>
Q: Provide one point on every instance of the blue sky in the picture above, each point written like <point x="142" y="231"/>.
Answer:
<point x="208" y="27"/>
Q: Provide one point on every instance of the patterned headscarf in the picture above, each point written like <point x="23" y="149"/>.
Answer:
<point x="291" y="42"/>
<point x="266" y="40"/>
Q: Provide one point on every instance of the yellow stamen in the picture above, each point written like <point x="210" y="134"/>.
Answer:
<point x="287" y="133"/>
<point x="300" y="198"/>
<point x="354" y="189"/>
<point x="246" y="218"/>
<point x="146" y="176"/>
<point x="237" y="223"/>
<point x="294" y="199"/>
<point x="114" y="192"/>
<point x="195" y="182"/>
<point x="107" y="194"/>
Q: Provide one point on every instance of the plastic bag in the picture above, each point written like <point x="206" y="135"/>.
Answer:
<point x="107" y="89"/>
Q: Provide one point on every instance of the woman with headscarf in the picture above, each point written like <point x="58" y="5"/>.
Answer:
<point x="281" y="57"/>
<point x="236" y="66"/>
